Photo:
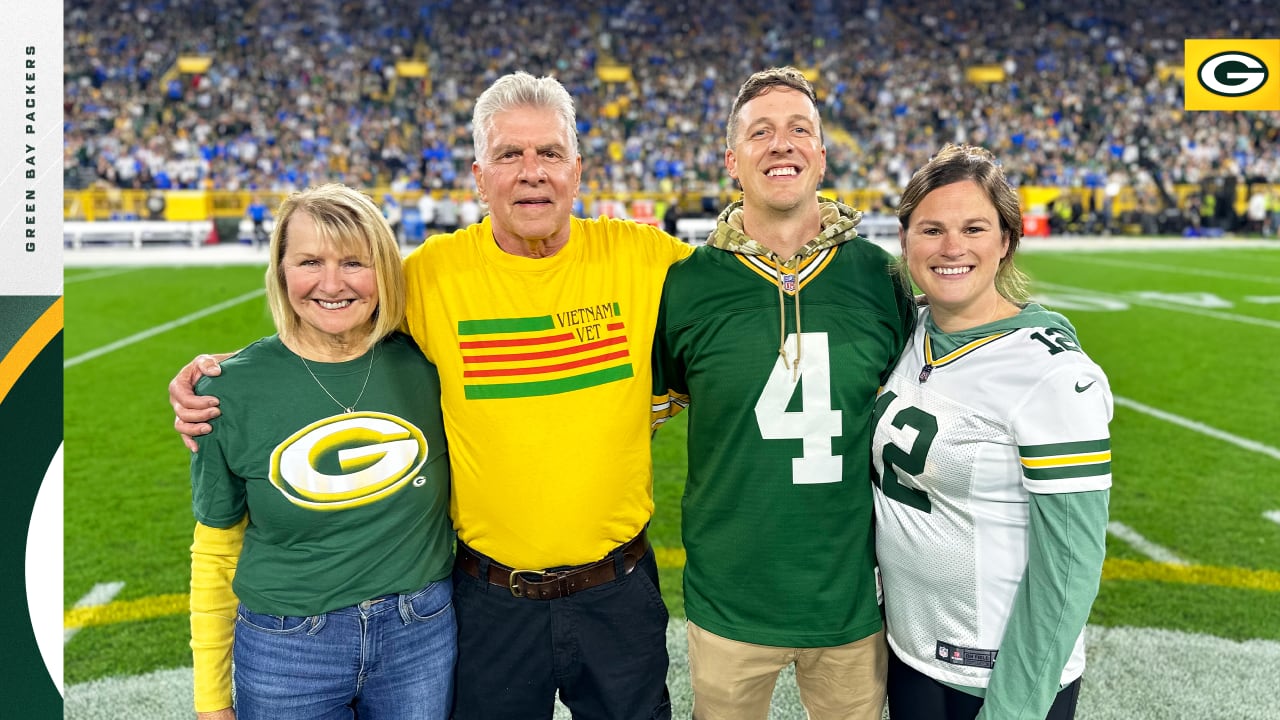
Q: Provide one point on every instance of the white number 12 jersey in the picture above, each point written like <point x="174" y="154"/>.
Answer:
<point x="960" y="442"/>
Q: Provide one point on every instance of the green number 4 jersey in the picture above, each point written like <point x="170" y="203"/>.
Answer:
<point x="780" y="365"/>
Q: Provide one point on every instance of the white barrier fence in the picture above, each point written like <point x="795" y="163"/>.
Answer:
<point x="75" y="234"/>
<point x="876" y="227"/>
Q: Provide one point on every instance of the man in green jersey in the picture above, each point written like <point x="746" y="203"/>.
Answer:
<point x="777" y="513"/>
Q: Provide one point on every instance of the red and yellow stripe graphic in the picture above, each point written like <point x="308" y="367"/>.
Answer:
<point x="544" y="355"/>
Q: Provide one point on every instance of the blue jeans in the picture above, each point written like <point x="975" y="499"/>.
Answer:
<point x="602" y="649"/>
<point x="389" y="658"/>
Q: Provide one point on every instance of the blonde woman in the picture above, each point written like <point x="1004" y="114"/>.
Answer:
<point x="323" y="490"/>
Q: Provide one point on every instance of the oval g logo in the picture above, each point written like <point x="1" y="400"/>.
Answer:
<point x="1232" y="74"/>
<point x="348" y="460"/>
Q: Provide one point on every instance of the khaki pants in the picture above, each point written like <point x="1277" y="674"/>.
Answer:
<point x="734" y="680"/>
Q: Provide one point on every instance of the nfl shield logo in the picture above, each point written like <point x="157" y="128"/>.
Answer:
<point x="789" y="283"/>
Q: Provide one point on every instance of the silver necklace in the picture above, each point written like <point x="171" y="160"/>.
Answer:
<point x="352" y="408"/>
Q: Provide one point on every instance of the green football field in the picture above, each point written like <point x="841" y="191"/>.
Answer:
<point x="1187" y="622"/>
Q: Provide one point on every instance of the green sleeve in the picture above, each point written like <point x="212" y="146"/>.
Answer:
<point x="1064" y="565"/>
<point x="218" y="496"/>
<point x="670" y="392"/>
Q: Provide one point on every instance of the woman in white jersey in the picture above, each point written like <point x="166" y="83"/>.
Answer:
<point x="993" y="463"/>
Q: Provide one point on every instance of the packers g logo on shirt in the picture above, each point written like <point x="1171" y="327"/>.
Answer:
<point x="348" y="460"/>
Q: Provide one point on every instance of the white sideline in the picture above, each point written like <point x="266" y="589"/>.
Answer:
<point x="1143" y="545"/>
<point x="1132" y="673"/>
<point x="97" y="275"/>
<point x="1199" y="427"/>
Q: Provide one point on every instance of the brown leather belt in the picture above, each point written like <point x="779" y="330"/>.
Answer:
<point x="552" y="584"/>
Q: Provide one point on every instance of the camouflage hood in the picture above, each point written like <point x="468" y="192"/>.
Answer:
<point x="839" y="225"/>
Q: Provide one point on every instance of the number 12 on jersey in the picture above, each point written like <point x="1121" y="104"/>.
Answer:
<point x="910" y="461"/>
<point x="816" y="424"/>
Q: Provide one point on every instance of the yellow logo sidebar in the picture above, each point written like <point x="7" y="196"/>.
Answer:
<point x="1231" y="74"/>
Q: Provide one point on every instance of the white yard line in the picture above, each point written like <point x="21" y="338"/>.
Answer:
<point x="1129" y="535"/>
<point x="98" y="275"/>
<point x="1192" y="425"/>
<point x="1136" y="300"/>
<point x="1156" y="552"/>
<point x="1199" y="427"/>
<point x="1094" y="260"/>
<point x="101" y="594"/>
<point x="151" y="332"/>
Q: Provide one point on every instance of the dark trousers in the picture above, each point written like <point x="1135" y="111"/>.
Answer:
<point x="603" y="649"/>
<point x="914" y="695"/>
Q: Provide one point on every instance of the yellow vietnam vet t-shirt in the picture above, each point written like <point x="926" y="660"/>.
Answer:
<point x="545" y="384"/>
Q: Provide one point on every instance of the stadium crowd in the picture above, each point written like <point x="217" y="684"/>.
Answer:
<point x="1091" y="94"/>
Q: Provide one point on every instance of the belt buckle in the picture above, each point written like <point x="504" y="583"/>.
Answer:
<point x="514" y="586"/>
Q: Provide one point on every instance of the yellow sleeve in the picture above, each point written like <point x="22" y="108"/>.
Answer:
<point x="214" y="554"/>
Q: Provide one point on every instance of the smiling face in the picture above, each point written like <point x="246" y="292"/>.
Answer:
<point x="953" y="246"/>
<point x="778" y="155"/>
<point x="333" y="290"/>
<point x="529" y="178"/>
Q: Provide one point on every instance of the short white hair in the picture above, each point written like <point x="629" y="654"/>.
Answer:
<point x="516" y="90"/>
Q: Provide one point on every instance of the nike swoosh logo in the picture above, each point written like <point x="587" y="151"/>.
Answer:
<point x="1086" y="387"/>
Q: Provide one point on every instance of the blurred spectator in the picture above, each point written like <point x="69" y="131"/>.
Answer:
<point x="1192" y="214"/>
<point x="258" y="213"/>
<point x="1257" y="211"/>
<point x="155" y="205"/>
<point x="391" y="211"/>
<point x="468" y="211"/>
<point x="1273" y="213"/>
<point x="427" y="211"/>
<point x="447" y="213"/>
<point x="671" y="218"/>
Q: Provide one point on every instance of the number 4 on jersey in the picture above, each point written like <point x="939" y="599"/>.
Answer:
<point x="816" y="424"/>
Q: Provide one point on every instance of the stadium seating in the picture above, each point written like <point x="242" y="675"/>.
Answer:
<point x="378" y="95"/>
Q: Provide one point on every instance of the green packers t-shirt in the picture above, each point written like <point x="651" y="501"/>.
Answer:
<point x="343" y="507"/>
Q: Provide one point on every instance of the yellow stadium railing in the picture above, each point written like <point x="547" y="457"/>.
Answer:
<point x="191" y="205"/>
